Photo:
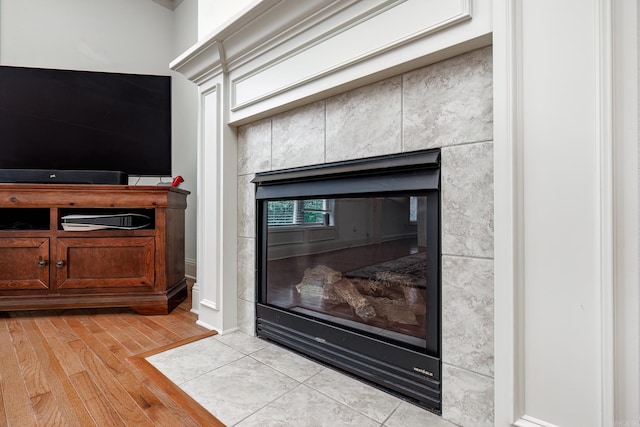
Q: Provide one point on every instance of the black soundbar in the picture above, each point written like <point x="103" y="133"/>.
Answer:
<point x="54" y="176"/>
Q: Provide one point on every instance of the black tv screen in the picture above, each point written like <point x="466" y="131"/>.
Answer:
<point x="85" y="120"/>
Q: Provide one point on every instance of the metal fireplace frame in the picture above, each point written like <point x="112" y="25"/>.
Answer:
<point x="402" y="369"/>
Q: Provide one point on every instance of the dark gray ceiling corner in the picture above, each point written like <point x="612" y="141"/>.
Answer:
<point x="169" y="4"/>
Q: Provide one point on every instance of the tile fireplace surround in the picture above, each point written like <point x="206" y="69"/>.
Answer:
<point x="445" y="105"/>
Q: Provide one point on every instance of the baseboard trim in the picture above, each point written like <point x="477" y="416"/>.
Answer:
<point x="190" y="268"/>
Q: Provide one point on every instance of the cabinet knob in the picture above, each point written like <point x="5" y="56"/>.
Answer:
<point x="42" y="263"/>
<point x="60" y="264"/>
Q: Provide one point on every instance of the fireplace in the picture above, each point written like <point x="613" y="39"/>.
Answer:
<point x="349" y="268"/>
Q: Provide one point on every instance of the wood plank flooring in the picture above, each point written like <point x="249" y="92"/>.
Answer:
<point x="87" y="367"/>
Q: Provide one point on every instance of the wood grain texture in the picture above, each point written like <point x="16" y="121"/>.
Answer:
<point x="42" y="266"/>
<point x="87" y="367"/>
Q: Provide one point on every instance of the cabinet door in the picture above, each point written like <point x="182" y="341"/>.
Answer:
<point x="116" y="263"/>
<point x="24" y="263"/>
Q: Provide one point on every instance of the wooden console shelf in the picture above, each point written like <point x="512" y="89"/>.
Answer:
<point x="42" y="266"/>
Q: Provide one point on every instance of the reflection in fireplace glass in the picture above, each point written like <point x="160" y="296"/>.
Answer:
<point x="357" y="262"/>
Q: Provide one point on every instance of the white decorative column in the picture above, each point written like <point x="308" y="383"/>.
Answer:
<point x="563" y="261"/>
<point x="215" y="293"/>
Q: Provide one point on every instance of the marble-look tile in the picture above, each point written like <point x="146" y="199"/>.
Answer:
<point x="289" y="363"/>
<point x="467" y="200"/>
<point x="254" y="147"/>
<point x="298" y="137"/>
<point x="246" y="206"/>
<point x="467" y="397"/>
<point x="410" y="415"/>
<point x="357" y="395"/>
<point x="246" y="344"/>
<point x="246" y="269"/>
<point x="239" y="389"/>
<point x="247" y="317"/>
<point x="195" y="359"/>
<point x="467" y="313"/>
<point x="450" y="102"/>
<point x="305" y="407"/>
<point x="365" y="122"/>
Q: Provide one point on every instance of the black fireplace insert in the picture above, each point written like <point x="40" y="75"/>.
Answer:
<point x="348" y="268"/>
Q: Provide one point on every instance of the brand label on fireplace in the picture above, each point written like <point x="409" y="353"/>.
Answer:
<point x="423" y="371"/>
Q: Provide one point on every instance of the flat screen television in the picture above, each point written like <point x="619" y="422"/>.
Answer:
<point x="85" y="121"/>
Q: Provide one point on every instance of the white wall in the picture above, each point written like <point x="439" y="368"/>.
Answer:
<point x="185" y="123"/>
<point x="213" y="13"/>
<point x="114" y="36"/>
<point x="95" y="35"/>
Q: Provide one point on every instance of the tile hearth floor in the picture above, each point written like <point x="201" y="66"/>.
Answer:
<point x="245" y="381"/>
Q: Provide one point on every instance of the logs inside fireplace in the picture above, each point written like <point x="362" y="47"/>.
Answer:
<point x="348" y="268"/>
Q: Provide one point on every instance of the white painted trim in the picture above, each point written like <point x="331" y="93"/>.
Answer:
<point x="271" y="32"/>
<point x="203" y="58"/>
<point x="208" y="303"/>
<point x="604" y="87"/>
<point x="200" y="63"/>
<point x="195" y="298"/>
<point x="627" y="212"/>
<point x="508" y="254"/>
<point x="217" y="208"/>
<point x="206" y="325"/>
<point x="227" y="176"/>
<point x="217" y="256"/>
<point x="462" y="16"/>
<point x="286" y="20"/>
<point x="190" y="268"/>
<point x="527" y="421"/>
<point x="203" y="214"/>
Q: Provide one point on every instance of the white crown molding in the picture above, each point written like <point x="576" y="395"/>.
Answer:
<point x="198" y="64"/>
<point x="253" y="31"/>
<point x="201" y="65"/>
<point x="334" y="50"/>
<point x="276" y="30"/>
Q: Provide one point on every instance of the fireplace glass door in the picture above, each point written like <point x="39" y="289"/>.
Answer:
<point x="359" y="262"/>
<point x="348" y="268"/>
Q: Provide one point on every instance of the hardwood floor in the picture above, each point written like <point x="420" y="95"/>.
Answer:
<point x="86" y="367"/>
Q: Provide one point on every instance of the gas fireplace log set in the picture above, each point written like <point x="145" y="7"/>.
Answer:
<point x="335" y="289"/>
<point x="368" y="298"/>
<point x="349" y="268"/>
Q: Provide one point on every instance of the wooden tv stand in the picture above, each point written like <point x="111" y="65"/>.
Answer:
<point x="43" y="266"/>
